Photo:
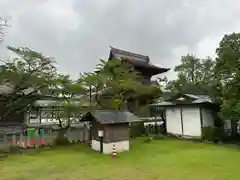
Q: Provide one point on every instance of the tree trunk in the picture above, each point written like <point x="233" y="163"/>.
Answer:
<point x="61" y="138"/>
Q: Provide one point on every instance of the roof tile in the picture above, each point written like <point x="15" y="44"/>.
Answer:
<point x="113" y="117"/>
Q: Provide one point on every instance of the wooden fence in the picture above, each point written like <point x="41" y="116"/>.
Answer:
<point x="21" y="139"/>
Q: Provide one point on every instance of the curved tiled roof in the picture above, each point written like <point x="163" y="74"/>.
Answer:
<point x="136" y="60"/>
<point x="195" y="99"/>
<point x="129" y="54"/>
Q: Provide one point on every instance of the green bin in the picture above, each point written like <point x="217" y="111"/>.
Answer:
<point x="42" y="132"/>
<point x="31" y="132"/>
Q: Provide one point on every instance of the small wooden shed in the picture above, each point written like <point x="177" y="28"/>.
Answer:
<point x="110" y="128"/>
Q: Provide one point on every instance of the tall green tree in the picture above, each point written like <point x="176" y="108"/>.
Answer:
<point x="189" y="68"/>
<point x="227" y="73"/>
<point x="116" y="83"/>
<point x="70" y="105"/>
<point x="23" y="79"/>
<point x="193" y="74"/>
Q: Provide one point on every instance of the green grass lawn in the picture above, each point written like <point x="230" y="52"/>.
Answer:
<point x="159" y="159"/>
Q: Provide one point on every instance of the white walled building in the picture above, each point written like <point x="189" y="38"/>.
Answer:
<point x="187" y="114"/>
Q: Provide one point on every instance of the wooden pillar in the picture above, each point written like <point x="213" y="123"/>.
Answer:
<point x="29" y="114"/>
<point x="40" y="115"/>
<point x="101" y="145"/>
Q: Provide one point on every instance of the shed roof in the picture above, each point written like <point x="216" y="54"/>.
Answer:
<point x="114" y="117"/>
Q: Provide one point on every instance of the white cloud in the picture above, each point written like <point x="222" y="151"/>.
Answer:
<point x="61" y="13"/>
<point x="78" y="32"/>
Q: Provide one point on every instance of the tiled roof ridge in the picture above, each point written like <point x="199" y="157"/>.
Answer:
<point x="131" y="53"/>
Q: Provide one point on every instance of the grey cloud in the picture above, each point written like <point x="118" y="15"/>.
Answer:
<point x="154" y="28"/>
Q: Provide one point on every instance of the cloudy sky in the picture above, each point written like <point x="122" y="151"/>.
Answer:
<point x="77" y="33"/>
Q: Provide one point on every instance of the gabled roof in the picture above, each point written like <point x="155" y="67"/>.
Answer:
<point x="113" y="116"/>
<point x="182" y="98"/>
<point x="137" y="60"/>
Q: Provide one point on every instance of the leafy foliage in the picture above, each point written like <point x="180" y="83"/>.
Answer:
<point x="193" y="74"/>
<point x="25" y="78"/>
<point x="69" y="105"/>
<point x="227" y="72"/>
<point x="117" y="82"/>
<point x="137" y="129"/>
<point x="114" y="83"/>
<point x="210" y="133"/>
<point x="189" y="69"/>
<point x="219" y="78"/>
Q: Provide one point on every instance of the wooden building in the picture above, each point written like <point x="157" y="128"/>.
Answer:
<point x="187" y="114"/>
<point x="141" y="63"/>
<point x="110" y="128"/>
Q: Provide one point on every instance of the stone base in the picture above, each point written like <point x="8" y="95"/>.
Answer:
<point x="121" y="146"/>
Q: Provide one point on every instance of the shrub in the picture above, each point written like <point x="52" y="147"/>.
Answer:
<point x="210" y="133"/>
<point x="61" y="138"/>
<point x="137" y="130"/>
<point x="61" y="141"/>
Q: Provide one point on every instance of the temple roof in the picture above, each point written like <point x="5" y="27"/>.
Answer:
<point x="137" y="60"/>
<point x="118" y="53"/>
